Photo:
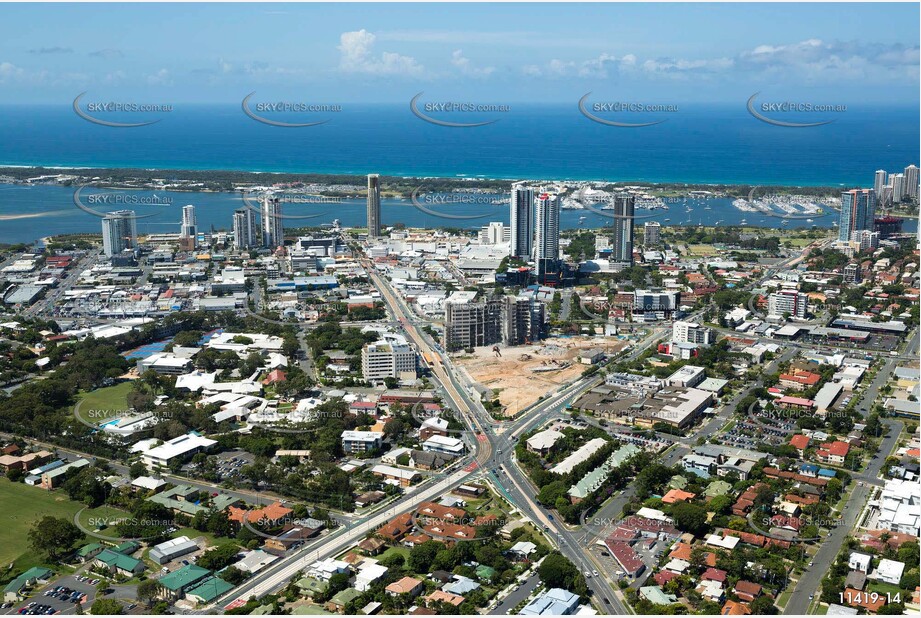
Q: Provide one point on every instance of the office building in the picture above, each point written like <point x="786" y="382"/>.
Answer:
<point x="119" y="232"/>
<point x="273" y="234"/>
<point x="651" y="233"/>
<point x="852" y="273"/>
<point x="391" y="358"/>
<point x="189" y="228"/>
<point x="857" y="209"/>
<point x="470" y="323"/>
<point x="622" y="239"/>
<point x="374" y="205"/>
<point x="865" y="240"/>
<point x="244" y="229"/>
<point x="521" y="217"/>
<point x="787" y="302"/>
<point x="910" y="183"/>
<point x="495" y="233"/>
<point x="546" y="232"/>
<point x="656" y="304"/>
<point x="690" y="332"/>
<point x="361" y="441"/>
<point x="523" y="321"/>
<point x="879" y="181"/>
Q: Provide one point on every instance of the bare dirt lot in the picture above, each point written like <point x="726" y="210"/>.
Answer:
<point x="512" y="377"/>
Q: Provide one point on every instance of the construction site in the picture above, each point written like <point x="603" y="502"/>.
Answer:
<point x="519" y="376"/>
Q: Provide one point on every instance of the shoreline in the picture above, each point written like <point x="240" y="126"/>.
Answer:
<point x="460" y="178"/>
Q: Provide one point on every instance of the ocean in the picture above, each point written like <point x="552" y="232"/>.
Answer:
<point x="700" y="144"/>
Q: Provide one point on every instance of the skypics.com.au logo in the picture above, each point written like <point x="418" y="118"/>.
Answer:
<point x="94" y="111"/>
<point x="119" y="200"/>
<point x="771" y="112"/>
<point x="261" y="111"/>
<point x="606" y="112"/>
<point x="426" y="202"/>
<point x="456" y="109"/>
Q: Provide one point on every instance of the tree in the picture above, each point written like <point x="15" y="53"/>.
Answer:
<point x="762" y="605"/>
<point x="137" y="469"/>
<point x="106" y="607"/>
<point x="148" y="590"/>
<point x="421" y="556"/>
<point x="690" y="518"/>
<point x="219" y="557"/>
<point x="54" y="536"/>
<point x="556" y="571"/>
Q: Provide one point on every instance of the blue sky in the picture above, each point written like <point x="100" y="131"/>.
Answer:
<point x="208" y="53"/>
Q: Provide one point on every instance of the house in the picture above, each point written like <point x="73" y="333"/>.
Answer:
<point x="323" y="570"/>
<point x="656" y="596"/>
<point x="734" y="608"/>
<point x="543" y="441"/>
<point x="833" y="452"/>
<point x="368" y="573"/>
<point x="118" y="563"/>
<point x="859" y="562"/>
<point x="677" y="495"/>
<point x="522" y="549"/>
<point x="888" y="571"/>
<point x="371" y="546"/>
<point x="460" y="585"/>
<point x="173" y="586"/>
<point x="342" y="598"/>
<point x="440" y="596"/>
<point x="13" y="591"/>
<point x="396" y="528"/>
<point x="406" y="585"/>
<point x="270" y="515"/>
<point x="552" y="602"/>
<point x="88" y="552"/>
<point x="396" y="476"/>
<point x="800" y="442"/>
<point x="208" y="589"/>
<point x="747" y="591"/>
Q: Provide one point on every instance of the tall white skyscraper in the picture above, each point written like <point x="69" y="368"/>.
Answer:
<point x="910" y="184"/>
<point x="879" y="181"/>
<point x="521" y="218"/>
<point x="119" y="232"/>
<point x="244" y="228"/>
<point x="898" y="187"/>
<point x="622" y="240"/>
<point x="546" y="230"/>
<point x="374" y="205"/>
<point x="273" y="232"/>
<point x="189" y="227"/>
<point x="858" y="208"/>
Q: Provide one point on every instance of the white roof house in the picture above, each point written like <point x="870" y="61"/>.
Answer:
<point x="889" y="571"/>
<point x="178" y="447"/>
<point x="543" y="440"/>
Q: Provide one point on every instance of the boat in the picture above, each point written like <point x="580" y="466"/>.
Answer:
<point x="809" y="220"/>
<point x="743" y="222"/>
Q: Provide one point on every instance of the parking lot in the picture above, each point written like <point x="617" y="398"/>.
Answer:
<point x="59" y="597"/>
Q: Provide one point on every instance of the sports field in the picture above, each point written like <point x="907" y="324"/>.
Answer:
<point x="103" y="403"/>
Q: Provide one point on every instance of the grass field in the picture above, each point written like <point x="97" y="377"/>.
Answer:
<point x="104" y="403"/>
<point x="702" y="250"/>
<point x="22" y="506"/>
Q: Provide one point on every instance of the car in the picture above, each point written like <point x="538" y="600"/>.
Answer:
<point x="131" y="606"/>
<point x="811" y="596"/>
<point x="214" y="495"/>
<point x="604" y="553"/>
<point x="93" y="582"/>
<point x="595" y="573"/>
<point x="606" y="601"/>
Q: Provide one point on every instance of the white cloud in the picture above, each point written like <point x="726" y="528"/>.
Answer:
<point x="357" y="56"/>
<point x="160" y="78"/>
<point x="467" y="68"/>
